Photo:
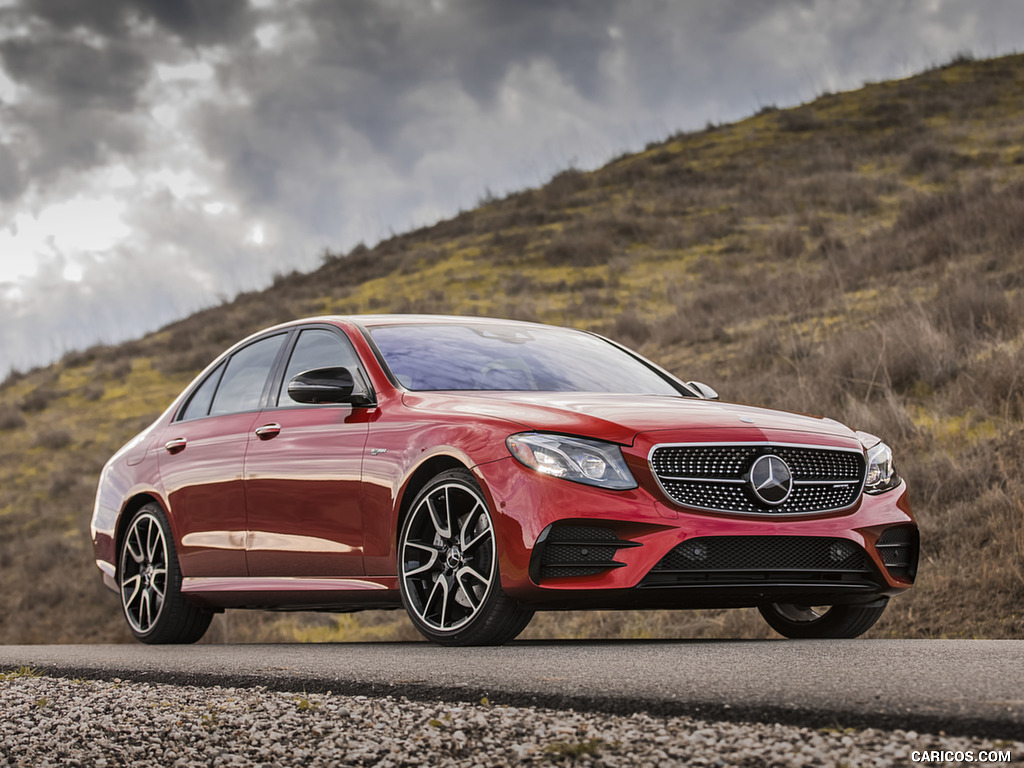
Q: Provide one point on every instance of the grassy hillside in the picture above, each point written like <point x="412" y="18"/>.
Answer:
<point x="861" y="256"/>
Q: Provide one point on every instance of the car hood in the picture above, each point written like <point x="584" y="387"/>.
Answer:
<point x="620" y="418"/>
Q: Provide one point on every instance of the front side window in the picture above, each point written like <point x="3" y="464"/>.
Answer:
<point x="516" y="358"/>
<point x="317" y="348"/>
<point x="241" y="387"/>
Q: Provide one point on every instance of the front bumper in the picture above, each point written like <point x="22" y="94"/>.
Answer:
<point x="539" y="515"/>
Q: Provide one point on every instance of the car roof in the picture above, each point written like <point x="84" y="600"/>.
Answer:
<point x="369" y="321"/>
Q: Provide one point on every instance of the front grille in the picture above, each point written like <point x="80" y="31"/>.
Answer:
<point x="898" y="547"/>
<point x="716" y="478"/>
<point x="706" y="461"/>
<point x="576" y="550"/>
<point x="734" y="560"/>
<point x="822" y="463"/>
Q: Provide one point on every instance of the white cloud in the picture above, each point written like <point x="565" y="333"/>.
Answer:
<point x="255" y="235"/>
<point x="192" y="71"/>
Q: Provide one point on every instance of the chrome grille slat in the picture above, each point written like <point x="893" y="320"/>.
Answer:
<point x="714" y="477"/>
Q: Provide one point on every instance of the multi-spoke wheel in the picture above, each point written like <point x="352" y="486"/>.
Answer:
<point x="808" y="621"/>
<point x="448" y="566"/>
<point x="151" y="583"/>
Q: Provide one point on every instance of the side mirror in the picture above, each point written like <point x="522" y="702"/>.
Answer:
<point x="706" y="392"/>
<point x="322" y="385"/>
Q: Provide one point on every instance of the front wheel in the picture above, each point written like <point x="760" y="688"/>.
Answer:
<point x="448" y="566"/>
<point x="812" y="621"/>
<point x="150" y="583"/>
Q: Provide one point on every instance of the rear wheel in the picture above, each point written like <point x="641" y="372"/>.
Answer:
<point x="822" y="621"/>
<point x="448" y="566"/>
<point x="150" y="584"/>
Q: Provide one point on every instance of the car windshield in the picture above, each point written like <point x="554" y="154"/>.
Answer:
<point x="519" y="358"/>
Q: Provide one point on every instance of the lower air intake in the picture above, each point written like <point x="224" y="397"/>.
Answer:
<point x="576" y="550"/>
<point x="899" y="547"/>
<point x="733" y="560"/>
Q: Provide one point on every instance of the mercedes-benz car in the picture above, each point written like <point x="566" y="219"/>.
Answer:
<point x="475" y="471"/>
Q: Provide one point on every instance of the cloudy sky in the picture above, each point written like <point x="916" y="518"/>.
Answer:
<point x="157" y="156"/>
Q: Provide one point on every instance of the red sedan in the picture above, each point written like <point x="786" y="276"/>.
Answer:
<point x="475" y="471"/>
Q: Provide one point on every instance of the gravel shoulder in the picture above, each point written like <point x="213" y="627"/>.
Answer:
<point x="50" y="721"/>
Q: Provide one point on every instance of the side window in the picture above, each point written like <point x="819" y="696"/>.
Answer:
<point x="242" y="384"/>
<point x="317" y="348"/>
<point x="199" y="404"/>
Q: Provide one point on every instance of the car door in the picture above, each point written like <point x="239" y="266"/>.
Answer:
<point x="302" y="472"/>
<point x="202" y="463"/>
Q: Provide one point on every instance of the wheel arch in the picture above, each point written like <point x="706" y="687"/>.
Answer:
<point x="422" y="475"/>
<point x="133" y="505"/>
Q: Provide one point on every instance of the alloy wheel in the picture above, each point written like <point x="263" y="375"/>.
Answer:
<point x="447" y="557"/>
<point x="143" y="573"/>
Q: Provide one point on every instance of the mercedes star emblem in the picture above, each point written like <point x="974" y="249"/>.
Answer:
<point x="770" y="480"/>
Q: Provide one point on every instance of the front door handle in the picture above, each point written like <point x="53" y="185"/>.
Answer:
<point x="177" y="445"/>
<point x="268" y="431"/>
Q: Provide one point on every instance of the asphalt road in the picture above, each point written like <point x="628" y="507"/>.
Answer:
<point x="965" y="687"/>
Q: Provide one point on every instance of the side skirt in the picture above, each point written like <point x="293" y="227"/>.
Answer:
<point x="300" y="593"/>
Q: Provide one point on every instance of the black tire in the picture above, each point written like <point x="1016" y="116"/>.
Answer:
<point x="448" y="566"/>
<point x="805" y="621"/>
<point x="149" y="582"/>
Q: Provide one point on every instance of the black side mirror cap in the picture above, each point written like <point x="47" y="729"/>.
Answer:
<point x="325" y="385"/>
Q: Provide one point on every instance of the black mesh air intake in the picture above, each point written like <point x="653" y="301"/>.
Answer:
<point x="725" y="560"/>
<point x="576" y="550"/>
<point x="899" y="547"/>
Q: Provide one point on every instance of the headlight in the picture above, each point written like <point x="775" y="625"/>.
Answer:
<point x="881" y="474"/>
<point x="572" y="458"/>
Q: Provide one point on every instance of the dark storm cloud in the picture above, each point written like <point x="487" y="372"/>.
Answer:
<point x="199" y="22"/>
<point x="66" y="141"/>
<point x="104" y="16"/>
<point x="195" y="22"/>
<point x="76" y="74"/>
<point x="402" y="45"/>
<point x="80" y="103"/>
<point x="365" y="58"/>
<point x="11" y="183"/>
<point x="84" y="67"/>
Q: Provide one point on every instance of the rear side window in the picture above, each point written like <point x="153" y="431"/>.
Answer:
<point x="199" y="404"/>
<point x="317" y="348"/>
<point x="241" y="386"/>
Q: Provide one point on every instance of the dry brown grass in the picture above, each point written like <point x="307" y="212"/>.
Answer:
<point x="11" y="417"/>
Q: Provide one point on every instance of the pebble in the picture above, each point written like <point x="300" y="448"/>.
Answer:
<point x="58" y="722"/>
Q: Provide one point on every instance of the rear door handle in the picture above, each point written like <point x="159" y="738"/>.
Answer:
<point x="177" y="445"/>
<point x="268" y="431"/>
